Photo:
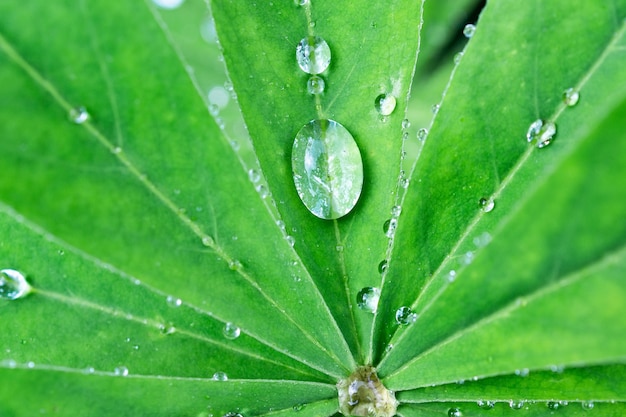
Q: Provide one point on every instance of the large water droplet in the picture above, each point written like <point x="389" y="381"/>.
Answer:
<point x="570" y="97"/>
<point x="385" y="104"/>
<point x="231" y="331"/>
<point x="313" y="55"/>
<point x="315" y="85"/>
<point x="13" y="285"/>
<point x="78" y="115"/>
<point x="540" y="134"/>
<point x="468" y="30"/>
<point x="405" y="316"/>
<point x="327" y="168"/>
<point x="367" y="299"/>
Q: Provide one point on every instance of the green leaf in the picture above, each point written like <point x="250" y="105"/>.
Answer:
<point x="552" y="248"/>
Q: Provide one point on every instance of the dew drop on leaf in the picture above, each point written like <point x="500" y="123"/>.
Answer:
<point x="570" y="97"/>
<point x="232" y="414"/>
<point x="254" y="176"/>
<point x="396" y="211"/>
<point x="385" y="104"/>
<point x="486" y="405"/>
<point x="13" y="285"/>
<point x="290" y="240"/>
<point x="486" y="204"/>
<point x="315" y="85"/>
<point x="516" y="404"/>
<point x="220" y="376"/>
<point x="468" y="30"/>
<point x="455" y="412"/>
<point x="78" y="115"/>
<point x="231" y="331"/>
<point x="382" y="266"/>
<point x="422" y="133"/>
<point x="389" y="227"/>
<point x="540" y="134"/>
<point x="435" y="108"/>
<point x="457" y="57"/>
<point x="406" y="124"/>
<point x="313" y="55"/>
<point x="173" y="301"/>
<point x="405" y="316"/>
<point x="367" y="299"/>
<point x="327" y="168"/>
<point x="121" y="371"/>
<point x="300" y="2"/>
<point x="587" y="405"/>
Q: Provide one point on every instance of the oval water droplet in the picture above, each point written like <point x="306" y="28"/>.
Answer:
<point x="587" y="405"/>
<point x="553" y="405"/>
<point x="396" y="211"/>
<point x="435" y="108"/>
<point x="389" y="227"/>
<point x="405" y="316"/>
<point x="234" y="265"/>
<point x="231" y="331"/>
<point x="382" y="266"/>
<point x="300" y="2"/>
<point x="457" y="57"/>
<point x="78" y="115"/>
<point x="486" y="204"/>
<point x="13" y="285"/>
<point x="482" y="240"/>
<point x="121" y="371"/>
<point x="298" y="407"/>
<point x="516" y="404"/>
<point x="406" y="124"/>
<point x="290" y="240"/>
<point x="570" y="97"/>
<point x="315" y="85"/>
<point x="486" y="405"/>
<point x="422" y="134"/>
<point x="468" y="30"/>
<point x="327" y="168"/>
<point x="254" y="175"/>
<point x="451" y="275"/>
<point x="313" y="55"/>
<point x="455" y="412"/>
<point x="220" y="376"/>
<point x="540" y="133"/>
<point x="385" y="104"/>
<point x="367" y="299"/>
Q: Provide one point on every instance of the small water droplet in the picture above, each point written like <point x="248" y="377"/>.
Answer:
<point x="522" y="372"/>
<point x="315" y="85"/>
<point x="298" y="407"/>
<point x="207" y="241"/>
<point x="457" y="57"/>
<point x="455" y="412"/>
<point x="168" y="4"/>
<point x="166" y="330"/>
<point x="486" y="405"/>
<point x="406" y="124"/>
<point x="385" y="104"/>
<point x="290" y="240"/>
<point x="262" y="190"/>
<point x="117" y="150"/>
<point x="313" y="55"/>
<point x="327" y="168"/>
<point x="231" y="331"/>
<point x="13" y="285"/>
<point x="78" y="115"/>
<point x="30" y="364"/>
<point x="382" y="266"/>
<point x="467" y="258"/>
<point x="173" y="301"/>
<point x="468" y="30"/>
<point x="232" y="414"/>
<point x="339" y="248"/>
<point x="218" y="96"/>
<point x="121" y="371"/>
<point x="234" y="265"/>
<point x="540" y="134"/>
<point x="486" y="204"/>
<point x="396" y="211"/>
<point x="254" y="175"/>
<point x="553" y="405"/>
<point x="587" y="405"/>
<point x="367" y="299"/>
<point x="220" y="376"/>
<point x="389" y="227"/>
<point x="435" y="108"/>
<point x="405" y="316"/>
<point x="422" y="134"/>
<point x="90" y="370"/>
<point x="280" y="224"/>
<point x="300" y="2"/>
<point x="451" y="275"/>
<point x="570" y="97"/>
<point x="516" y="404"/>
